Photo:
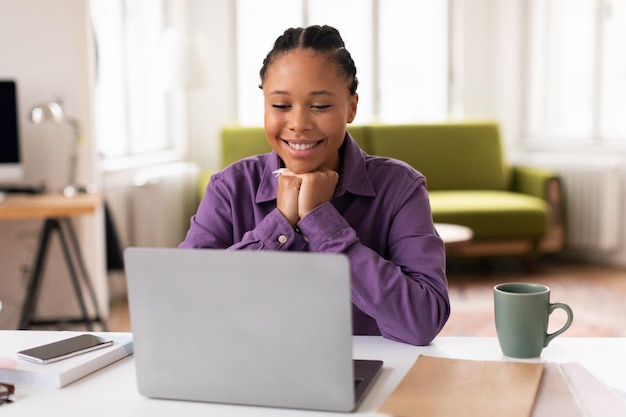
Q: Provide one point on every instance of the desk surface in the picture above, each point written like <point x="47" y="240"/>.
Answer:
<point x="38" y="206"/>
<point x="112" y="390"/>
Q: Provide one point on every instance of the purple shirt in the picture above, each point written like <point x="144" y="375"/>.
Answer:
<point x="379" y="217"/>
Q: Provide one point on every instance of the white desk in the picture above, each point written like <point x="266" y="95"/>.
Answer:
<point x="112" y="391"/>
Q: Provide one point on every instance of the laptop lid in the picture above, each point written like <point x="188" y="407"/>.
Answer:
<point x="243" y="327"/>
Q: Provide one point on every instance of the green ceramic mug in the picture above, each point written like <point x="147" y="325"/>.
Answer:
<point x="522" y="311"/>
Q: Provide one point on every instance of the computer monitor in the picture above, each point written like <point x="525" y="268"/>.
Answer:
<point x="11" y="164"/>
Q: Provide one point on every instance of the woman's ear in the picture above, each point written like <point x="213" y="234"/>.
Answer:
<point x="354" y="101"/>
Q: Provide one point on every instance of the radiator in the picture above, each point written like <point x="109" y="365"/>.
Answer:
<point x="163" y="201"/>
<point x="594" y="198"/>
<point x="152" y="206"/>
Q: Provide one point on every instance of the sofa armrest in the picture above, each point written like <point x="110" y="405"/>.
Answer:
<point x="545" y="184"/>
<point x="542" y="183"/>
<point x="534" y="181"/>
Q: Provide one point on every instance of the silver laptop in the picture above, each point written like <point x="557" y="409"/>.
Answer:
<point x="245" y="327"/>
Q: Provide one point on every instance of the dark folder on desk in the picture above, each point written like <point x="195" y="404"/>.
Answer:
<point x="245" y="327"/>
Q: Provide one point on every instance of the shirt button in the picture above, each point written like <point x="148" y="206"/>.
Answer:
<point x="282" y="239"/>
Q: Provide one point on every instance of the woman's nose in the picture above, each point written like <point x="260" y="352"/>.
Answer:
<point x="299" y="120"/>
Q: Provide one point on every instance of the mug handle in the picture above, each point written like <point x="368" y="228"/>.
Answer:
<point x="570" y="318"/>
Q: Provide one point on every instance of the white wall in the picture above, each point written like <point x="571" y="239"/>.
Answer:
<point x="47" y="48"/>
<point x="213" y="106"/>
<point x="487" y="62"/>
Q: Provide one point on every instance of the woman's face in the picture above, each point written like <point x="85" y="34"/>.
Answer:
<point x="307" y="107"/>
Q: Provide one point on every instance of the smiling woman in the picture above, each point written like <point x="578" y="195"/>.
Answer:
<point x="305" y="125"/>
<point x="317" y="191"/>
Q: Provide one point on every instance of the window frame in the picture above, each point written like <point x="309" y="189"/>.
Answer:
<point x="548" y="137"/>
<point x="370" y="86"/>
<point x="167" y="103"/>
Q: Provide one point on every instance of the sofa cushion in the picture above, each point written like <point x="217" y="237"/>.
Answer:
<point x="359" y="133"/>
<point x="492" y="214"/>
<point x="452" y="156"/>
<point x="240" y="142"/>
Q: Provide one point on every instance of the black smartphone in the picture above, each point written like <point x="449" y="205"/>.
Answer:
<point x="63" y="349"/>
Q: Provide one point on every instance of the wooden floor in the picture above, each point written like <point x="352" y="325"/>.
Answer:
<point x="597" y="295"/>
<point x="119" y="319"/>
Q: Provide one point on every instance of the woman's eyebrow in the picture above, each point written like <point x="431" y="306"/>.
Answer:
<point x="321" y="93"/>
<point x="312" y="93"/>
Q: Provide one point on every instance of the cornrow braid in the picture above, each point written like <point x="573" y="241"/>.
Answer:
<point x="322" y="39"/>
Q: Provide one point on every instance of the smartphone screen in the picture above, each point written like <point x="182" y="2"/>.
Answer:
<point x="63" y="349"/>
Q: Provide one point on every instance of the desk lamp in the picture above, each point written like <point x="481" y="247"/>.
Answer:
<point x="53" y="112"/>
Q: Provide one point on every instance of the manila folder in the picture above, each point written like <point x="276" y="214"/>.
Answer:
<point x="442" y="387"/>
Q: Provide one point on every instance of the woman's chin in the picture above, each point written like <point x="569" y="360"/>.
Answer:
<point x="301" y="168"/>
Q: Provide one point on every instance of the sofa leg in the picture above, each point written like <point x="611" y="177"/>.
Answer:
<point x="486" y="265"/>
<point x="531" y="261"/>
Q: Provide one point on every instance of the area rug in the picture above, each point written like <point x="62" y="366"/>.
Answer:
<point x="596" y="294"/>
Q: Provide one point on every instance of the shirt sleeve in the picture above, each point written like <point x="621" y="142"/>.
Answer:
<point x="273" y="233"/>
<point x="215" y="225"/>
<point x="406" y="290"/>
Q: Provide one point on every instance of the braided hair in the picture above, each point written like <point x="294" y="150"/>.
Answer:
<point x="322" y="39"/>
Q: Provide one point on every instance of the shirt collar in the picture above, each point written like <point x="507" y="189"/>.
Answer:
<point x="353" y="176"/>
<point x="268" y="185"/>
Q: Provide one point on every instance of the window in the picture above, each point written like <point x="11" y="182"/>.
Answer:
<point x="399" y="47"/>
<point x="413" y="60"/>
<point x="577" y="70"/>
<point x="130" y="100"/>
<point x="256" y="31"/>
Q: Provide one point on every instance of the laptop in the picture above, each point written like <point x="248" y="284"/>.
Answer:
<point x="245" y="327"/>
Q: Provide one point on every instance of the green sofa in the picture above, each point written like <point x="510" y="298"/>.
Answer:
<point x="512" y="210"/>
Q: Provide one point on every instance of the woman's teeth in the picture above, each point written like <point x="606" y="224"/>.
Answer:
<point x="301" y="146"/>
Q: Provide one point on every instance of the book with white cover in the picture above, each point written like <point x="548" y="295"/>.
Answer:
<point x="15" y="370"/>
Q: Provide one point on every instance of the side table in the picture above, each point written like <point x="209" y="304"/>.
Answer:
<point x="454" y="234"/>
<point x="57" y="212"/>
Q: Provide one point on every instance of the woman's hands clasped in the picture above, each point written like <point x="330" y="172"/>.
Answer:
<point x="298" y="194"/>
